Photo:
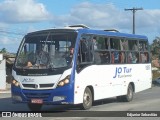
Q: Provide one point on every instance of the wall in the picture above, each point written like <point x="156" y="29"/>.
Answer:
<point x="3" y="74"/>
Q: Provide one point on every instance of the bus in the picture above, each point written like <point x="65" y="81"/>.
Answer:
<point x="78" y="65"/>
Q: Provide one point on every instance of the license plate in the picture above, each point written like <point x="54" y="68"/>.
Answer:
<point x="37" y="101"/>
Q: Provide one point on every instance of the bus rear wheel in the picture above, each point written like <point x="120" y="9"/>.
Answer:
<point x="34" y="107"/>
<point x="129" y="96"/>
<point x="87" y="99"/>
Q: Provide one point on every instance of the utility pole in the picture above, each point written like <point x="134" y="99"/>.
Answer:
<point x="134" y="11"/>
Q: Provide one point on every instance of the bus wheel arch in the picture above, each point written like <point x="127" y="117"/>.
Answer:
<point x="88" y="98"/>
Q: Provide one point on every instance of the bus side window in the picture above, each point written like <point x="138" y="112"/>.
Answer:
<point x="121" y="57"/>
<point x="85" y="53"/>
<point x="133" y="57"/>
<point x="105" y="57"/>
<point x="147" y="56"/>
<point x="129" y="58"/>
<point x="97" y="57"/>
<point x="112" y="57"/>
<point x="115" y="44"/>
<point x="115" y="57"/>
<point x="133" y="45"/>
<point x="84" y="50"/>
<point x="144" y="57"/>
<point x="123" y="44"/>
<point x="100" y="43"/>
<point x="101" y="53"/>
<point x="143" y="46"/>
<point x="106" y="44"/>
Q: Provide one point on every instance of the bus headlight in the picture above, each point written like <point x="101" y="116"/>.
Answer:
<point x="15" y="83"/>
<point x="64" y="81"/>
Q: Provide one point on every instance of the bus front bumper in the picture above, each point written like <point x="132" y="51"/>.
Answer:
<point x="53" y="96"/>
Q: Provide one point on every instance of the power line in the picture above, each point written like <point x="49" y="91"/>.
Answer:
<point x="134" y="11"/>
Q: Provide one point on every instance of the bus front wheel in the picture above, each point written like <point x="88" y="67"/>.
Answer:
<point x="87" y="99"/>
<point x="34" y="107"/>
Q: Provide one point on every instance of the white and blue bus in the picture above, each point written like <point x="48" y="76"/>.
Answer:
<point x="78" y="65"/>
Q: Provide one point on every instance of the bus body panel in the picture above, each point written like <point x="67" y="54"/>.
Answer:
<point x="51" y="79"/>
<point x="112" y="80"/>
<point x="49" y="95"/>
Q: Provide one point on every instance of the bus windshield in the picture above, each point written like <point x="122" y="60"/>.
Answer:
<point x="46" y="50"/>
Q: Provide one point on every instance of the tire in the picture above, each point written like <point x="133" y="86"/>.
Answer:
<point x="34" y="107"/>
<point x="129" y="96"/>
<point x="87" y="99"/>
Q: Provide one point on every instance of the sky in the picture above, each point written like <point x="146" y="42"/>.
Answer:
<point x="18" y="17"/>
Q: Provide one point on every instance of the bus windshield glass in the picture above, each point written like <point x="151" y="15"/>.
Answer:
<point x="46" y="50"/>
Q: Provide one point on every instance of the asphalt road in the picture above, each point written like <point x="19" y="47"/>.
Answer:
<point x="148" y="100"/>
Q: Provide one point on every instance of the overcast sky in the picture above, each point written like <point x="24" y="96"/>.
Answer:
<point x="18" y="17"/>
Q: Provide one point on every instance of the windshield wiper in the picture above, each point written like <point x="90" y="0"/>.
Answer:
<point x="44" y="48"/>
<point x="46" y="41"/>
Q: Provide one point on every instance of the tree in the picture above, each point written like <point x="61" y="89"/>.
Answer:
<point x="4" y="50"/>
<point x="155" y="47"/>
<point x="156" y="41"/>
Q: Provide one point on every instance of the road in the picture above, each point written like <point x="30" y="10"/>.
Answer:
<point x="148" y="100"/>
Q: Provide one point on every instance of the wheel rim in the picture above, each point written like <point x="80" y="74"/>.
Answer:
<point x="87" y="99"/>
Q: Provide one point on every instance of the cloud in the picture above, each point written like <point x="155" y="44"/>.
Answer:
<point x="149" y="19"/>
<point x="96" y="15"/>
<point x="106" y="16"/>
<point x="5" y="41"/>
<point x="10" y="43"/>
<point x="18" y="11"/>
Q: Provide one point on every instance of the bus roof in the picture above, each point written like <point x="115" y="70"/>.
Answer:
<point x="91" y="31"/>
<point x="112" y="34"/>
